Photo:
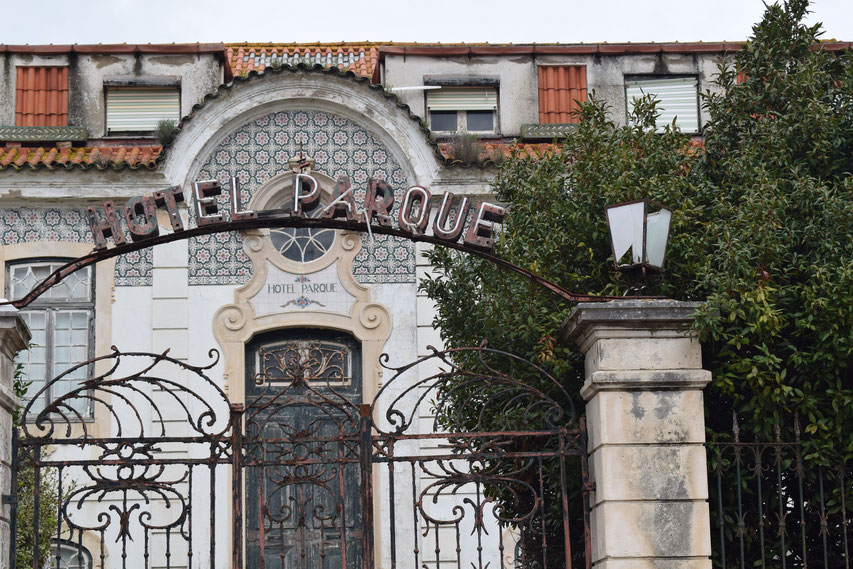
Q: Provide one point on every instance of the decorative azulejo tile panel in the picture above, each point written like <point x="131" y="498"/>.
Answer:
<point x="31" y="225"/>
<point x="259" y="150"/>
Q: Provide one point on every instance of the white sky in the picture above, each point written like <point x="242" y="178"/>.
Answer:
<point x="496" y="21"/>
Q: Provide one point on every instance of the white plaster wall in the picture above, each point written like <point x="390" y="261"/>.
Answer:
<point x="518" y="101"/>
<point x="75" y="186"/>
<point x="200" y="74"/>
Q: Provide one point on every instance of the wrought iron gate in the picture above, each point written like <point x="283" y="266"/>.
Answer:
<point x="425" y="476"/>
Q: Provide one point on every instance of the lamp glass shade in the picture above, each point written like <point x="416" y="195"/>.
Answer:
<point x="657" y="232"/>
<point x="626" y="230"/>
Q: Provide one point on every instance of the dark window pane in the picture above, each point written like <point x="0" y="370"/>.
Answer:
<point x="481" y="120"/>
<point x="443" y="120"/>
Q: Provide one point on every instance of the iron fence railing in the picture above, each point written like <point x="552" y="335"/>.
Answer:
<point x="772" y="507"/>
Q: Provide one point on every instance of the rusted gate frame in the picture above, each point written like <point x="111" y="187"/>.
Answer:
<point x="227" y="441"/>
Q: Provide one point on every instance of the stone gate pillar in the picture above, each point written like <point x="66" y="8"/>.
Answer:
<point x="643" y="389"/>
<point x="14" y="336"/>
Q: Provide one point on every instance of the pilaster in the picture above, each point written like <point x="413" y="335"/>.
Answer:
<point x="643" y="389"/>
<point x="14" y="336"/>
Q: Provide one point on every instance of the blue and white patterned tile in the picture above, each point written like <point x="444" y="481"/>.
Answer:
<point x="260" y="149"/>
<point x="34" y="225"/>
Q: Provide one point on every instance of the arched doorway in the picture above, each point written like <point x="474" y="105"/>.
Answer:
<point x="302" y="483"/>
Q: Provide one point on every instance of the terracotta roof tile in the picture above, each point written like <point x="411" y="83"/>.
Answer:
<point x="561" y="88"/>
<point x="41" y="96"/>
<point x="113" y="157"/>
<point x="360" y="58"/>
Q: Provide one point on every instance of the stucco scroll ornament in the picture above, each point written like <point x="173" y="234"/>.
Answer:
<point x="314" y="289"/>
<point x="233" y="317"/>
<point x="373" y="315"/>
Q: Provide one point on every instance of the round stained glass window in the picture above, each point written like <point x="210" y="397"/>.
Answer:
<point x="302" y="244"/>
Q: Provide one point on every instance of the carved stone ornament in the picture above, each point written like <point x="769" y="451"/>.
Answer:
<point x="299" y="280"/>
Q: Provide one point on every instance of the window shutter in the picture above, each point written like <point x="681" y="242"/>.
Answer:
<point x="462" y="99"/>
<point x="561" y="88"/>
<point x="41" y="96"/>
<point x="139" y="110"/>
<point x="677" y="96"/>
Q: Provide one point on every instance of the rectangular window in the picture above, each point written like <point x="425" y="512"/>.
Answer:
<point x="140" y="110"/>
<point x="463" y="109"/>
<point x="678" y="96"/>
<point x="41" y="96"/>
<point x="61" y="322"/>
<point x="561" y="90"/>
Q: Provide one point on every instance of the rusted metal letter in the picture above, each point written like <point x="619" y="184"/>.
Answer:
<point x="409" y="223"/>
<point x="206" y="208"/>
<point x="343" y="204"/>
<point x="480" y="231"/>
<point x="107" y="229"/>
<point x="236" y="212"/>
<point x="141" y="218"/>
<point x="379" y="202"/>
<point x="169" y="198"/>
<point x="305" y="201"/>
<point x="439" y="226"/>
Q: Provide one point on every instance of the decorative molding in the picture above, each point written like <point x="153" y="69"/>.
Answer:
<point x="43" y="133"/>
<point x="557" y="130"/>
<point x="350" y="309"/>
<point x="105" y="278"/>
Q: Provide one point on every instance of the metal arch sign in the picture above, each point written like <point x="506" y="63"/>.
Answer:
<point x="373" y="217"/>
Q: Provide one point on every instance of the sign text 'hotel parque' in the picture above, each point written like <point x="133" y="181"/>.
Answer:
<point x="413" y="213"/>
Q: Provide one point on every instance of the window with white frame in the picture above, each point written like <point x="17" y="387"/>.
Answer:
<point x="61" y="322"/>
<point x="141" y="109"/>
<point x="463" y="109"/>
<point x="678" y="99"/>
<point x="71" y="556"/>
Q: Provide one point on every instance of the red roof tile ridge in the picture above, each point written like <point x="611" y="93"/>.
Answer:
<point x="7" y="159"/>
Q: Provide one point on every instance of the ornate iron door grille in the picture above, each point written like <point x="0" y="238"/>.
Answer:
<point x="426" y="476"/>
<point x="301" y="451"/>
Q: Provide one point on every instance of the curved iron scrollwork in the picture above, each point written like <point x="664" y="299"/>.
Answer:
<point x="474" y="387"/>
<point x="302" y="452"/>
<point x="205" y="407"/>
<point x="307" y="461"/>
<point x="162" y="427"/>
<point x="478" y="445"/>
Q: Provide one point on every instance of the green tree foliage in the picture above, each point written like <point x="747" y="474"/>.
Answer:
<point x="779" y="151"/>
<point x="555" y="227"/>
<point x="762" y="228"/>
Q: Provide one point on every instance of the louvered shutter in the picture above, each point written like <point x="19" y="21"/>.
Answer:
<point x="678" y="100"/>
<point x="139" y="110"/>
<point x="463" y="99"/>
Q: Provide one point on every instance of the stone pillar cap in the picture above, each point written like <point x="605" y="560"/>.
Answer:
<point x="14" y="334"/>
<point x="629" y="313"/>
